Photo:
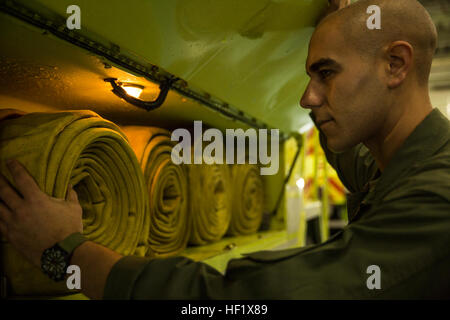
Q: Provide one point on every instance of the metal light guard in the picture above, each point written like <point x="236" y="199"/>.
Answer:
<point x="147" y="105"/>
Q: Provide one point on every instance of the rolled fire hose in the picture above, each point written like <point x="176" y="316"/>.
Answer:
<point x="248" y="200"/>
<point x="210" y="202"/>
<point x="167" y="188"/>
<point x="93" y="155"/>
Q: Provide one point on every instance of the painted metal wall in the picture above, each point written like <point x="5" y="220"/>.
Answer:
<point x="250" y="53"/>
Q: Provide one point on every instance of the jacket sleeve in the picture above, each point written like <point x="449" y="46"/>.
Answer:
<point x="170" y="278"/>
<point x="335" y="269"/>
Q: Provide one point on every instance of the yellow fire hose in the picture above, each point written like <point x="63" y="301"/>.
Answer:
<point x="92" y="154"/>
<point x="167" y="188"/>
<point x="248" y="200"/>
<point x="210" y="202"/>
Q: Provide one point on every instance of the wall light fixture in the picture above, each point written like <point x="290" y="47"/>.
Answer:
<point x="130" y="93"/>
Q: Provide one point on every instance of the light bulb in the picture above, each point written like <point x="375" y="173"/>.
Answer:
<point x="300" y="183"/>
<point x="133" y="90"/>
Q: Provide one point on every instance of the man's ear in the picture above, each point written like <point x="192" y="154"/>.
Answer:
<point x="400" y="60"/>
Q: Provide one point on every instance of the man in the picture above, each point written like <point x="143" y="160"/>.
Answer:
<point x="368" y="92"/>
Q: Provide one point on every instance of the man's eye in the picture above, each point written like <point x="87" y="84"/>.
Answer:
<point x="325" y="73"/>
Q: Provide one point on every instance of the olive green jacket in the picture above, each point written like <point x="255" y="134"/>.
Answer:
<point x="399" y="222"/>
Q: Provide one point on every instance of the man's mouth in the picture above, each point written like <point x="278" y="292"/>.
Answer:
<point x="322" y="122"/>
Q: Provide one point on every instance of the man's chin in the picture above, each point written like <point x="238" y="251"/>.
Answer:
<point x="337" y="150"/>
<point x="336" y="147"/>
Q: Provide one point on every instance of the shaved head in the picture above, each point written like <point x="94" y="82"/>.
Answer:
<point x="370" y="85"/>
<point x="401" y="20"/>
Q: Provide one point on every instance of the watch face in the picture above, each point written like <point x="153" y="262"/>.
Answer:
<point x="54" y="263"/>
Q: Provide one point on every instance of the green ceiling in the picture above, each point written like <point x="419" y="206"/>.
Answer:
<point x="250" y="53"/>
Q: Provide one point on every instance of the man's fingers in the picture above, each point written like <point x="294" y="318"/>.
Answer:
<point x="3" y="229"/>
<point x="24" y="181"/>
<point x="71" y="194"/>
<point x="5" y="213"/>
<point x="343" y="3"/>
<point x="5" y="217"/>
<point x="8" y="195"/>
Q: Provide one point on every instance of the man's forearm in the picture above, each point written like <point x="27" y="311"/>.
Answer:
<point x="95" y="262"/>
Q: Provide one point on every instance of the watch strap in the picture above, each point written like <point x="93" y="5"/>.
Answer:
<point x="70" y="243"/>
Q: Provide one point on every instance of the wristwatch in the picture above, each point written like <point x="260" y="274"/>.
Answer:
<point x="55" y="260"/>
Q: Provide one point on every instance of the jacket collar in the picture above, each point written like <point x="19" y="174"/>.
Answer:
<point x="426" y="139"/>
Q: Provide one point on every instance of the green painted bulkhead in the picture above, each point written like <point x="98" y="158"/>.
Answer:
<point x="236" y="60"/>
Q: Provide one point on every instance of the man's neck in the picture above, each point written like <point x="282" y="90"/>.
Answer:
<point x="401" y="122"/>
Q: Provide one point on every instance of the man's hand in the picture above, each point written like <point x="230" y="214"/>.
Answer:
<point x="31" y="220"/>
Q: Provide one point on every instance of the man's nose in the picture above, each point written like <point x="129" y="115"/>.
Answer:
<point x="311" y="98"/>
